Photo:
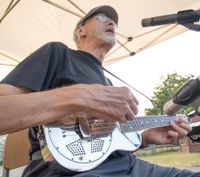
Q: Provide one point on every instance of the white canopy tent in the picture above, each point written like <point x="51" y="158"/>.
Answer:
<point x="25" y="25"/>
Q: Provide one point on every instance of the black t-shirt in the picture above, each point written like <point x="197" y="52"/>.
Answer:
<point x="55" y="65"/>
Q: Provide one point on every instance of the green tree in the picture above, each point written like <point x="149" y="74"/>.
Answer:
<point x="165" y="91"/>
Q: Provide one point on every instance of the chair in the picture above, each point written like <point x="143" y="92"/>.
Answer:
<point x="16" y="151"/>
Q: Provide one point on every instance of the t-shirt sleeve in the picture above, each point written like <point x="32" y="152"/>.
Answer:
<point x="38" y="70"/>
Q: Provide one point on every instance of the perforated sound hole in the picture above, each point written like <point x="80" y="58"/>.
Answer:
<point x="76" y="148"/>
<point x="97" y="145"/>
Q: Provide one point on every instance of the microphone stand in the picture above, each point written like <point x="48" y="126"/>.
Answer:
<point x="194" y="135"/>
<point x="192" y="26"/>
<point x="187" y="19"/>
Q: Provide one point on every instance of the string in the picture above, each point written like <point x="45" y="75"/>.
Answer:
<point x="109" y="128"/>
<point x="92" y="122"/>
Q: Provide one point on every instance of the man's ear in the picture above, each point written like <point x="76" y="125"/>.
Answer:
<point x="81" y="32"/>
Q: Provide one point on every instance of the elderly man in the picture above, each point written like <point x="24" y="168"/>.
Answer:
<point x="87" y="90"/>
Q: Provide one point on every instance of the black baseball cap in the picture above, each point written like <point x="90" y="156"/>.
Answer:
<point x="105" y="9"/>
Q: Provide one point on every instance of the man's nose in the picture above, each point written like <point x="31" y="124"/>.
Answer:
<point x="111" y="22"/>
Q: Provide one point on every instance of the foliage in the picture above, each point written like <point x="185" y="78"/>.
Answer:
<point x="165" y="91"/>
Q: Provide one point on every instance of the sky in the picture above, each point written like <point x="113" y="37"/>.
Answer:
<point x="144" y="70"/>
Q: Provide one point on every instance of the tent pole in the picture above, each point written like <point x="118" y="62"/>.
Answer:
<point x="4" y="64"/>
<point x="77" y="7"/>
<point x="8" y="10"/>
<point x="9" y="6"/>
<point x="63" y="8"/>
<point x="11" y="58"/>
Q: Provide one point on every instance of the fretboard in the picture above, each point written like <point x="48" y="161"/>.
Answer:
<point x="141" y="123"/>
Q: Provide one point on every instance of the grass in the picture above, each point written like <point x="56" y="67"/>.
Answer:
<point x="171" y="158"/>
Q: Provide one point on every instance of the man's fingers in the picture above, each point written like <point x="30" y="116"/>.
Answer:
<point x="186" y="126"/>
<point x="132" y="104"/>
<point x="135" y="99"/>
<point x="181" y="128"/>
<point x="173" y="136"/>
<point x="112" y="103"/>
<point x="130" y="115"/>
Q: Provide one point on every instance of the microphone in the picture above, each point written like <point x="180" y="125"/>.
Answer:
<point x="187" y="95"/>
<point x="182" y="17"/>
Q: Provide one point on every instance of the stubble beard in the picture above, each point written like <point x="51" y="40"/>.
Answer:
<point x="107" y="39"/>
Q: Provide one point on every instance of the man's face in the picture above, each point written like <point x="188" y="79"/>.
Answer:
<point x="101" y="29"/>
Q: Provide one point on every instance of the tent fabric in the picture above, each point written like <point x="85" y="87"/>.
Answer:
<point x="25" y="25"/>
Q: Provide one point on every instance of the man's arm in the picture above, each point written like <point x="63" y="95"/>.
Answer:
<point x="19" y="110"/>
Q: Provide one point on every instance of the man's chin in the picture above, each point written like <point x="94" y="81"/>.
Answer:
<point x="111" y="40"/>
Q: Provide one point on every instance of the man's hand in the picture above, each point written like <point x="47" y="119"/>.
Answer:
<point x="106" y="102"/>
<point x="179" y="128"/>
